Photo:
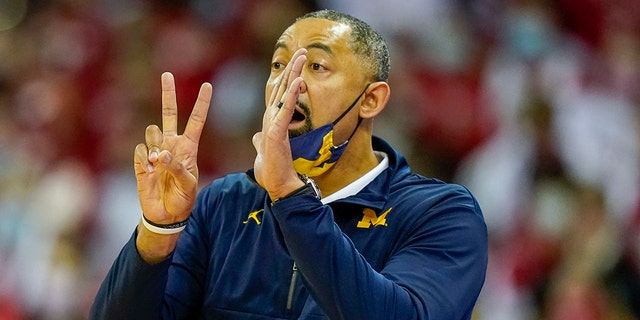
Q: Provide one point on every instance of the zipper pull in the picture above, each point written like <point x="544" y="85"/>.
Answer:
<point x="292" y="286"/>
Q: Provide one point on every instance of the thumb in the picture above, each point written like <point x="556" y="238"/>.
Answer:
<point x="257" y="142"/>
<point x="180" y="173"/>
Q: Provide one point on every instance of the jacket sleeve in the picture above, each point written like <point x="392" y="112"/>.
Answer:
<point x="436" y="273"/>
<point x="171" y="289"/>
<point x="133" y="289"/>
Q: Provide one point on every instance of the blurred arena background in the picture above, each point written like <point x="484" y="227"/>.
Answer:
<point x="532" y="104"/>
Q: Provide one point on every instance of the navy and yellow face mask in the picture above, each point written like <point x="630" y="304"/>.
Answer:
<point x="315" y="152"/>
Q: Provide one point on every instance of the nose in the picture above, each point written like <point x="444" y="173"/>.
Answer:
<point x="303" y="87"/>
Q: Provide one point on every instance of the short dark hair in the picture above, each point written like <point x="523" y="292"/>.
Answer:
<point x="365" y="41"/>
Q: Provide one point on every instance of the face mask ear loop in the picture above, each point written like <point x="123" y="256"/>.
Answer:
<point x="353" y="104"/>
<point x="347" y="111"/>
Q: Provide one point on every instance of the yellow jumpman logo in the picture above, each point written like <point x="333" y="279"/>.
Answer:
<point x="254" y="216"/>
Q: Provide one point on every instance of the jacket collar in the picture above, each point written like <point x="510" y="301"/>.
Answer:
<point x="375" y="195"/>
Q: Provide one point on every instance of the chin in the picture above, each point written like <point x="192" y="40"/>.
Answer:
<point x="297" y="132"/>
<point x="300" y="129"/>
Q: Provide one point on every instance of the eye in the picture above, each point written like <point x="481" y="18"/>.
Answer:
<point x="277" y="65"/>
<point x="316" y="67"/>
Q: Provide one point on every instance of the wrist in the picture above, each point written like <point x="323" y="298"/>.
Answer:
<point x="309" y="187"/>
<point x="286" y="190"/>
<point x="164" y="228"/>
<point x="154" y="247"/>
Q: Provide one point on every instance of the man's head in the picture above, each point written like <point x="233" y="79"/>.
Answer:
<point x="364" y="41"/>
<point x="344" y="55"/>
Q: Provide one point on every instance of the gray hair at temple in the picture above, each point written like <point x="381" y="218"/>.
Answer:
<point x="365" y="41"/>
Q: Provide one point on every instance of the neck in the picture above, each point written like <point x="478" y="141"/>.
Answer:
<point x="357" y="160"/>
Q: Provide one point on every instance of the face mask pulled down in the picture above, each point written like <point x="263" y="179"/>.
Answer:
<point x="315" y="152"/>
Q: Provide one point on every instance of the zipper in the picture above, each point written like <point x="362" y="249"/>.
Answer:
<point x="292" y="286"/>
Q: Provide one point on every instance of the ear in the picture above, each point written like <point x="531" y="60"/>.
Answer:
<point x="375" y="99"/>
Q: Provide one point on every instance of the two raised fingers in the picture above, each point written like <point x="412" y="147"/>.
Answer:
<point x="149" y="152"/>
<point x="198" y="116"/>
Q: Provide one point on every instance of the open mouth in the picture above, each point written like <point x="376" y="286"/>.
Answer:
<point x="298" y="116"/>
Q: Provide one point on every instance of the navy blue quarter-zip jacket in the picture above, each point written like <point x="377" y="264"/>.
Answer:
<point x="405" y="247"/>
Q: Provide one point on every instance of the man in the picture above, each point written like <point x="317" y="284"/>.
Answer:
<point x="380" y="243"/>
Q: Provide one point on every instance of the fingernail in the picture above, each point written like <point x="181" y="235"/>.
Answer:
<point x="167" y="159"/>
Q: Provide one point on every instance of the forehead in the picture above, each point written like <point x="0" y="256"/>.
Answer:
<point x="313" y="32"/>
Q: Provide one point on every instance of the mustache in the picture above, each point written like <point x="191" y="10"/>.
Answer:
<point x="305" y="108"/>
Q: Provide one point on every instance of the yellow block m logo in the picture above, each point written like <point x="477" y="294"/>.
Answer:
<point x="371" y="219"/>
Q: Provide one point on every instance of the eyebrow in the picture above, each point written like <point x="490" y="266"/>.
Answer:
<point x="280" y="45"/>
<point x="320" y="46"/>
<point x="316" y="45"/>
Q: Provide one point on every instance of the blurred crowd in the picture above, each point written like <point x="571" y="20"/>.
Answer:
<point x="534" y="105"/>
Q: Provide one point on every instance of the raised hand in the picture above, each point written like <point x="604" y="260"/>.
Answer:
<point x="166" y="164"/>
<point x="273" y="165"/>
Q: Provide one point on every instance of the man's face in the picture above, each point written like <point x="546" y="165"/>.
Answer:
<point x="333" y="76"/>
